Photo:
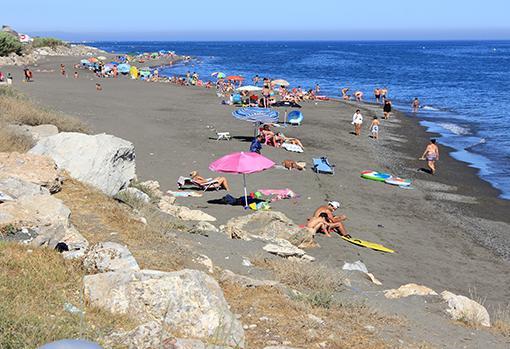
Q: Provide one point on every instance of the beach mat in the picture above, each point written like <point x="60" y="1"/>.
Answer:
<point x="368" y="244"/>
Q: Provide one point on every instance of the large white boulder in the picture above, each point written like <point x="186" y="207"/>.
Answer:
<point x="462" y="308"/>
<point x="189" y="303"/>
<point x="104" y="161"/>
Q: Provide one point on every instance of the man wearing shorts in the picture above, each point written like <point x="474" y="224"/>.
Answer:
<point x="431" y="154"/>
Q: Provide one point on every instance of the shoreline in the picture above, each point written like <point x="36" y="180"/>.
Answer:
<point x="429" y="251"/>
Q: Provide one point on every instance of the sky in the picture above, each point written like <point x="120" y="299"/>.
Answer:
<point x="264" y="20"/>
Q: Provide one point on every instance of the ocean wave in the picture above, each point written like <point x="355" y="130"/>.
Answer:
<point x="481" y="141"/>
<point x="428" y="107"/>
<point x="455" y="129"/>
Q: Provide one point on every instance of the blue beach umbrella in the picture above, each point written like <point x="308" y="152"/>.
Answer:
<point x="256" y="116"/>
<point x="124" y="68"/>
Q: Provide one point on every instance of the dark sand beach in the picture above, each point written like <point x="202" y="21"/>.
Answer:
<point x="450" y="231"/>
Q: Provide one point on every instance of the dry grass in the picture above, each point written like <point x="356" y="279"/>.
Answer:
<point x="34" y="287"/>
<point x="101" y="218"/>
<point x="303" y="276"/>
<point x="13" y="141"/>
<point x="15" y="109"/>
<point x="501" y="321"/>
<point x="279" y="319"/>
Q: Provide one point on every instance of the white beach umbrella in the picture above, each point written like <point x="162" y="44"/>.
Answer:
<point x="249" y="88"/>
<point x="280" y="82"/>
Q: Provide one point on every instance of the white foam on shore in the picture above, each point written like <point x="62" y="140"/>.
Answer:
<point x="428" y="107"/>
<point x="454" y="128"/>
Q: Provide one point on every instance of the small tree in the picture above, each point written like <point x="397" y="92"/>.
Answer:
<point x="9" y="43"/>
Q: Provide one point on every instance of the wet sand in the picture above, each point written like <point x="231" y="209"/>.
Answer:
<point x="450" y="231"/>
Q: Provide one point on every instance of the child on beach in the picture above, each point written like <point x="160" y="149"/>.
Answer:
<point x="99" y="87"/>
<point x="374" y="128"/>
<point x="357" y="121"/>
<point x="431" y="154"/>
<point x="76" y="75"/>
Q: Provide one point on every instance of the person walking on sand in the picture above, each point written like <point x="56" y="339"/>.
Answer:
<point x="357" y="121"/>
<point x="374" y="128"/>
<point x="387" y="109"/>
<point x="416" y="105"/>
<point x="333" y="222"/>
<point x="431" y="154"/>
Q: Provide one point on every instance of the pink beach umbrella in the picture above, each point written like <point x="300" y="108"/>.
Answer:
<point x="242" y="163"/>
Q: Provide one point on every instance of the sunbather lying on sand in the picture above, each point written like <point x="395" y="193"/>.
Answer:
<point x="280" y="138"/>
<point x="221" y="182"/>
<point x="334" y="222"/>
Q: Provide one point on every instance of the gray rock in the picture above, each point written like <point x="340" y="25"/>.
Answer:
<point x="464" y="309"/>
<point x="203" y="228"/>
<point x="133" y="193"/>
<point x="104" y="161"/>
<point x="188" y="302"/>
<point x="284" y="249"/>
<point x="269" y="225"/>
<point x="17" y="187"/>
<point x="36" y="132"/>
<point x="166" y="204"/>
<point x="109" y="256"/>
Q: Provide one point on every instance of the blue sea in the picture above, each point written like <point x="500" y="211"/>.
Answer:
<point x="464" y="86"/>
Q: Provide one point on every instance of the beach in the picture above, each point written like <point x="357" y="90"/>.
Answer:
<point x="449" y="232"/>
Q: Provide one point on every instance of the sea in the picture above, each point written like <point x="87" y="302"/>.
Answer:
<point x="463" y="86"/>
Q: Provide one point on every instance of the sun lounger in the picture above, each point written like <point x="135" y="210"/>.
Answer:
<point x="322" y="165"/>
<point x="223" y="135"/>
<point x="186" y="182"/>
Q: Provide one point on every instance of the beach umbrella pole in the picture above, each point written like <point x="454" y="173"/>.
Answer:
<point x="245" y="191"/>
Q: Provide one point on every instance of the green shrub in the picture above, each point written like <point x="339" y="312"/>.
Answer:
<point x="47" y="42"/>
<point x="9" y="44"/>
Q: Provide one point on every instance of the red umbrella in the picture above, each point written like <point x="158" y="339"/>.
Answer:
<point x="235" y="78"/>
<point x="242" y="163"/>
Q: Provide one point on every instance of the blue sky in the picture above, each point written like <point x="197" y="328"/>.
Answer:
<point x="264" y="20"/>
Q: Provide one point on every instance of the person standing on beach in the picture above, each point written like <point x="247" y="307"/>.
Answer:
<point x="359" y="96"/>
<point x="416" y="105"/>
<point x="374" y="128"/>
<point x="384" y="93"/>
<point x="256" y="80"/>
<point x="345" y="96"/>
<point x="63" y="69"/>
<point x="387" y="109"/>
<point x="431" y="154"/>
<point x="317" y="89"/>
<point x="357" y="121"/>
<point x="188" y="77"/>
<point x="377" y="94"/>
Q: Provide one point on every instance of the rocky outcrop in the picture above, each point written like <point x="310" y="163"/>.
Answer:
<point x="132" y="194"/>
<point x="188" y="302"/>
<point x="40" y="52"/>
<point x="462" y="308"/>
<point x="409" y="290"/>
<point x="109" y="256"/>
<point x="203" y="228"/>
<point x="16" y="188"/>
<point x="48" y="220"/>
<point x="36" y="132"/>
<point x="104" y="161"/>
<point x="166" y="204"/>
<point x="269" y="225"/>
<point x="36" y="169"/>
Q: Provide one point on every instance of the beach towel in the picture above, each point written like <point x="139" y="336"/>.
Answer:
<point x="292" y="147"/>
<point x="279" y="194"/>
<point x="184" y="194"/>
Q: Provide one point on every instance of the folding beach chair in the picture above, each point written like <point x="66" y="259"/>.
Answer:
<point x="322" y="165"/>
<point x="295" y="118"/>
<point x="223" y="135"/>
<point x="186" y="182"/>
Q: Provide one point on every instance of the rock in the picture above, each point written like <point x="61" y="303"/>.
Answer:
<point x="244" y="281"/>
<point x="462" y="308"/>
<point x="146" y="336"/>
<point x="284" y="250"/>
<point x="269" y="225"/>
<point x="104" y="161"/>
<point x="109" y="256"/>
<point x="15" y="188"/>
<point x="133" y="193"/>
<point x="205" y="261"/>
<point x="153" y="187"/>
<point x="409" y="290"/>
<point x="186" y="214"/>
<point x="36" y="132"/>
<point x="48" y="218"/>
<point x="189" y="302"/>
<point x="36" y="169"/>
<point x="203" y="228"/>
